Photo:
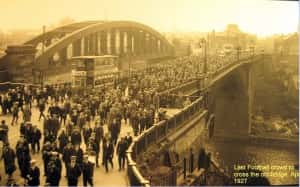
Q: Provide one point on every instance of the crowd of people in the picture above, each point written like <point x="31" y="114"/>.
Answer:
<point x="72" y="132"/>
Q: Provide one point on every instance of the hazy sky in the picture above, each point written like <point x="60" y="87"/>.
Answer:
<point x="255" y="16"/>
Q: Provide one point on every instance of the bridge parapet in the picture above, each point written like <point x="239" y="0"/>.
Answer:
<point x="154" y="135"/>
<point x="240" y="61"/>
<point x="159" y="131"/>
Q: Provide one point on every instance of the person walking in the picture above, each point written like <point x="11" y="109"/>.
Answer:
<point x="27" y="113"/>
<point x="63" y="139"/>
<point x="54" y="168"/>
<point x="23" y="156"/>
<point x="36" y="137"/>
<point x="67" y="153"/>
<point x="121" y="151"/>
<point x="73" y="172"/>
<point x="108" y="150"/>
<point x="9" y="157"/>
<point x="3" y="132"/>
<point x="42" y="107"/>
<point x="33" y="176"/>
<point x="87" y="171"/>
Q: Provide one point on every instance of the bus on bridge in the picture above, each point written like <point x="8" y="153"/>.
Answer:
<point x="94" y="71"/>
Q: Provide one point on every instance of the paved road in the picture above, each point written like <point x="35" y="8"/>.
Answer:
<point x="113" y="178"/>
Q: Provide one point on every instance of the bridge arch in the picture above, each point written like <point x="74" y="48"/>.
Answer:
<point x="140" y="40"/>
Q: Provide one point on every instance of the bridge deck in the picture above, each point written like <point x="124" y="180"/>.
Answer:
<point x="112" y="178"/>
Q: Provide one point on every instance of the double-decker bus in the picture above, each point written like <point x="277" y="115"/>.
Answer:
<point x="94" y="71"/>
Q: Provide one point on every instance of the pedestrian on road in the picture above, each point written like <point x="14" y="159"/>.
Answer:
<point x="36" y="137"/>
<point x="3" y="132"/>
<point x="63" y="140"/>
<point x="74" y="172"/>
<point x="26" y="113"/>
<point x="47" y="123"/>
<point x="99" y="132"/>
<point x="54" y="169"/>
<point x="28" y="132"/>
<point x="63" y="114"/>
<point x="67" y="153"/>
<point x="79" y="154"/>
<point x="121" y="151"/>
<point x="23" y="156"/>
<point x="33" y="176"/>
<point x="15" y="113"/>
<point x="94" y="147"/>
<point x="9" y="157"/>
<point x="76" y="136"/>
<point x="4" y="104"/>
<point x="55" y="125"/>
<point x="87" y="171"/>
<point x="128" y="139"/>
<point x="46" y="150"/>
<point x="108" y="150"/>
<point x="114" y="131"/>
<point x="86" y="132"/>
<point x="49" y="136"/>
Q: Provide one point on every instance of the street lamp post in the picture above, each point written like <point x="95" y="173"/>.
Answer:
<point x="43" y="45"/>
<point x="238" y="50"/>
<point x="129" y="55"/>
<point x="41" y="77"/>
<point x="203" y="44"/>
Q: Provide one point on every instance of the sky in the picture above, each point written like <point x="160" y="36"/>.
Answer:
<point x="261" y="17"/>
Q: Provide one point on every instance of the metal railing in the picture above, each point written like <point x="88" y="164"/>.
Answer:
<point x="154" y="135"/>
<point x="182" y="88"/>
<point x="232" y="63"/>
<point x="5" y="86"/>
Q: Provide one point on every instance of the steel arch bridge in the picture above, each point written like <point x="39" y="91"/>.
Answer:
<point x="121" y="38"/>
<point x="99" y="37"/>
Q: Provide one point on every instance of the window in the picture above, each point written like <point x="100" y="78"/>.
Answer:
<point x="89" y="64"/>
<point x="77" y="82"/>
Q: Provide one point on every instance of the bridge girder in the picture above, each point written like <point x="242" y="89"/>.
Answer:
<point x="136" y="30"/>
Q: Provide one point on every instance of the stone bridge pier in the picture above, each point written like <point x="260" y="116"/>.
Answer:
<point x="230" y="100"/>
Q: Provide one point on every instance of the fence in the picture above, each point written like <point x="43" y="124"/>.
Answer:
<point x="4" y="86"/>
<point x="154" y="135"/>
<point x="170" y="99"/>
<point x="182" y="88"/>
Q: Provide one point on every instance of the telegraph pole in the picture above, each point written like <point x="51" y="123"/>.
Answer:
<point x="41" y="74"/>
<point x="204" y="45"/>
<point x="44" y="31"/>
